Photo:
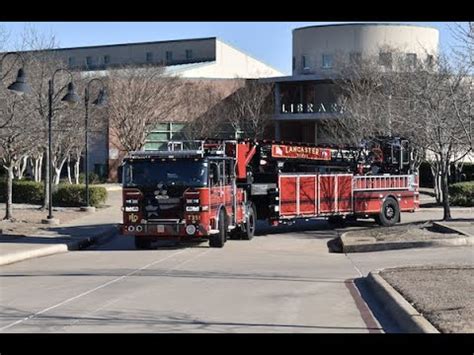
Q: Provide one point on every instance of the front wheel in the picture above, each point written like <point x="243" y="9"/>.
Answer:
<point x="250" y="222"/>
<point x="389" y="214"/>
<point x="218" y="240"/>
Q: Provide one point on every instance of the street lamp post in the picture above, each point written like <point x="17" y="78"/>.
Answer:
<point x="99" y="102"/>
<point x="71" y="98"/>
<point x="19" y="86"/>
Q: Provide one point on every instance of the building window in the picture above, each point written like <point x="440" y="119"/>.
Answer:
<point x="355" y="58"/>
<point x="385" y="59"/>
<point x="162" y="134"/>
<point x="89" y="61"/>
<point x="106" y="59"/>
<point x="189" y="53"/>
<point x="72" y="61"/>
<point x="303" y="61"/>
<point x="149" y="57"/>
<point x="327" y="61"/>
<point x="294" y="63"/>
<point x="411" y="60"/>
<point x="169" y="56"/>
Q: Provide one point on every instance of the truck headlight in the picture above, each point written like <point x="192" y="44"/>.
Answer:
<point x="192" y="208"/>
<point x="190" y="229"/>
<point x="192" y="200"/>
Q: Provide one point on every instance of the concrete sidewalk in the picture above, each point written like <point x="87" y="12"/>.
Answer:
<point x="78" y="234"/>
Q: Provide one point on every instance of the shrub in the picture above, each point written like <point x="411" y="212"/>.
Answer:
<point x="93" y="178"/>
<point x="24" y="191"/>
<point x="75" y="195"/>
<point x="462" y="194"/>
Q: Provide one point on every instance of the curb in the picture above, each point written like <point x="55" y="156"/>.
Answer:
<point x="440" y="209"/>
<point x="407" y="317"/>
<point x="377" y="246"/>
<point x="445" y="228"/>
<point x="58" y="248"/>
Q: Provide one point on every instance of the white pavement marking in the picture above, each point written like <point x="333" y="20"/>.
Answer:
<point x="118" y="298"/>
<point x="90" y="291"/>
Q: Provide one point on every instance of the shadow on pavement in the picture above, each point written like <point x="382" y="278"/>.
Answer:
<point x="388" y="325"/>
<point x="140" y="320"/>
<point x="61" y="235"/>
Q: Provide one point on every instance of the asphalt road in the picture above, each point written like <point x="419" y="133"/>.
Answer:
<point x="283" y="281"/>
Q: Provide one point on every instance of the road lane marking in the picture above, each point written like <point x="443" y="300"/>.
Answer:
<point x="81" y="317"/>
<point x="90" y="291"/>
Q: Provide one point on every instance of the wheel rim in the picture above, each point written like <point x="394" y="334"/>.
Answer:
<point x="389" y="212"/>
<point x="251" y="223"/>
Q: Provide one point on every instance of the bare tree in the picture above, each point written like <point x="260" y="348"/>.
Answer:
<point x="15" y="139"/>
<point x="138" y="100"/>
<point x="463" y="47"/>
<point x="249" y="108"/>
<point x="429" y="105"/>
<point x="205" y="106"/>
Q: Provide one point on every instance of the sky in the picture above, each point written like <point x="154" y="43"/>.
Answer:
<point x="269" y="42"/>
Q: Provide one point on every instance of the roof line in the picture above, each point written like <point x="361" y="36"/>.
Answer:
<point x="365" y="24"/>
<point x="128" y="44"/>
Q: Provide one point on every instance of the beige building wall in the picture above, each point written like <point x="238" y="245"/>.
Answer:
<point x="367" y="39"/>
<point x="231" y="63"/>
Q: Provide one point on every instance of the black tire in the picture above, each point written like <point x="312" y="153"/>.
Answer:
<point x="250" y="222"/>
<point x="389" y="214"/>
<point x="142" y="243"/>
<point x="218" y="240"/>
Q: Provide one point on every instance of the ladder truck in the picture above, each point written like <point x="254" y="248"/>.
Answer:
<point x="217" y="189"/>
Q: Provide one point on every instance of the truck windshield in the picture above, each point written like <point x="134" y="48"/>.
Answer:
<point x="180" y="172"/>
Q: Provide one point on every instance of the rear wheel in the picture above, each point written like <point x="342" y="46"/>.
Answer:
<point x="218" y="240"/>
<point x="142" y="243"/>
<point x="250" y="222"/>
<point x="389" y="214"/>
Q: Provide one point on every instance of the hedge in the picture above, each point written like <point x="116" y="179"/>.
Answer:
<point x="75" y="195"/>
<point x="64" y="195"/>
<point x="24" y="191"/>
<point x="462" y="194"/>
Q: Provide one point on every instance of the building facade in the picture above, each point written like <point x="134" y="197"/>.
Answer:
<point x="209" y="60"/>
<point x="309" y="96"/>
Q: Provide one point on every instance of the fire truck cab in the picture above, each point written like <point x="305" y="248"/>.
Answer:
<point x="186" y="192"/>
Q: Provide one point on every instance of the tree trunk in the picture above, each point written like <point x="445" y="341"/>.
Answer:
<point x="436" y="181"/>
<point x="40" y="168"/>
<point x="9" y="202"/>
<point x="76" y="171"/>
<point x="57" y="171"/>
<point x="445" y="194"/>
<point x="69" y="170"/>
<point x="35" y="169"/>
<point x="22" y="167"/>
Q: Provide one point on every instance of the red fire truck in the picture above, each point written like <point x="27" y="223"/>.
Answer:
<point x="217" y="189"/>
